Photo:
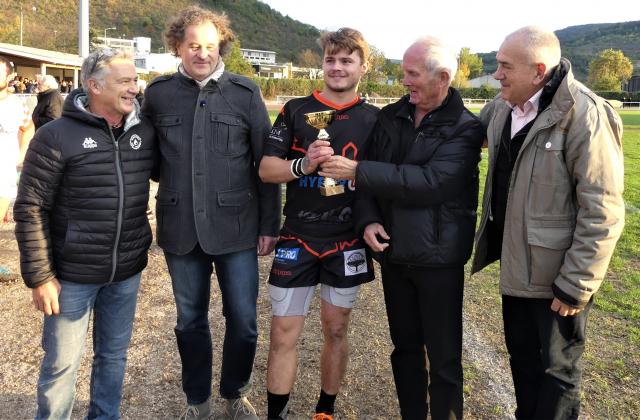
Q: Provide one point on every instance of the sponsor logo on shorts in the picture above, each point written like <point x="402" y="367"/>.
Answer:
<point x="287" y="254"/>
<point x="355" y="262"/>
<point x="282" y="273"/>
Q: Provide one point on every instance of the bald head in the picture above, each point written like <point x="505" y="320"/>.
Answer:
<point x="537" y="45"/>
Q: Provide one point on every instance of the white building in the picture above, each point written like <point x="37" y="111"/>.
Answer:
<point x="258" y="56"/>
<point x="483" y="81"/>
<point x="159" y="63"/>
<point x="140" y="45"/>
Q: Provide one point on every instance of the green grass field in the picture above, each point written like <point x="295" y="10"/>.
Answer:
<point x="620" y="293"/>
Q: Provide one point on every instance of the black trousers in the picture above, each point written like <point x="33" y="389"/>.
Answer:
<point x="424" y="308"/>
<point x="545" y="351"/>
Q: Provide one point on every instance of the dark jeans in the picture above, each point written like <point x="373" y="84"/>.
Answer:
<point x="545" y="352"/>
<point x="237" y="274"/>
<point x="424" y="308"/>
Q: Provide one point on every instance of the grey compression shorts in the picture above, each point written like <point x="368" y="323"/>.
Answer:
<point x="295" y="301"/>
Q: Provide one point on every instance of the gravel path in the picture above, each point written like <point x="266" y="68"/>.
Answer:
<point x="152" y="388"/>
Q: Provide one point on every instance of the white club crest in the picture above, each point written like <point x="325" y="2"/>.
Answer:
<point x="135" y="141"/>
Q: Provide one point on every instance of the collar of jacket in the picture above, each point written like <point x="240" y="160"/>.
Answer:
<point x="561" y="103"/>
<point x="46" y="92"/>
<point x="562" y="99"/>
<point x="215" y="76"/>
<point x="75" y="106"/>
<point x="446" y="114"/>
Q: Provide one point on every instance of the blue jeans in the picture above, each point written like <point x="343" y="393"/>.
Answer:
<point x="237" y="274"/>
<point x="63" y="340"/>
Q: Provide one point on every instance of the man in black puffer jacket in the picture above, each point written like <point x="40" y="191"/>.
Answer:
<point x="50" y="101"/>
<point x="418" y="194"/>
<point x="83" y="232"/>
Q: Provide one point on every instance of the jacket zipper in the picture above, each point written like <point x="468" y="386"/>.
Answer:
<point x="533" y="134"/>
<point x="114" y="257"/>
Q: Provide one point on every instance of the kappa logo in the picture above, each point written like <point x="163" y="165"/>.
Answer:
<point x="355" y="262"/>
<point x="135" y="141"/>
<point x="89" y="143"/>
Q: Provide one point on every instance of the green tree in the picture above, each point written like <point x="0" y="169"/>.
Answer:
<point x="377" y="62"/>
<point x="472" y="61"/>
<point x="393" y="71"/>
<point x="235" y="63"/>
<point x="308" y="58"/>
<point x="461" y="78"/>
<point x="609" y="70"/>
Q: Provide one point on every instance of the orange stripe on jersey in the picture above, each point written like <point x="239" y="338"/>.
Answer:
<point x="333" y="105"/>
<point x="311" y="250"/>
<point x="295" y="146"/>
<point x="346" y="244"/>
<point x="351" y="146"/>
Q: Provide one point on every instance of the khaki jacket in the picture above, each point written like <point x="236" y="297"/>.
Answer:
<point x="565" y="210"/>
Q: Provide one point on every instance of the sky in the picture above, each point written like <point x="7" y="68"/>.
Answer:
<point x="479" y="24"/>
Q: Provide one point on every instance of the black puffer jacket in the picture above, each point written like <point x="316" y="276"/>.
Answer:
<point x="80" y="211"/>
<point x="421" y="183"/>
<point x="49" y="107"/>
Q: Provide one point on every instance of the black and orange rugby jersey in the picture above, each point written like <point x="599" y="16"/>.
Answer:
<point x="308" y="213"/>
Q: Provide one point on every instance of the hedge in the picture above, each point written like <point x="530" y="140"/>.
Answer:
<point x="301" y="87"/>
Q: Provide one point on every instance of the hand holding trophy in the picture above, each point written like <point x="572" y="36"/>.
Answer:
<point x="321" y="120"/>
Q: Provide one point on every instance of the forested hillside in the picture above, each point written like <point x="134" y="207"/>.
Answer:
<point x="581" y="44"/>
<point x="53" y="23"/>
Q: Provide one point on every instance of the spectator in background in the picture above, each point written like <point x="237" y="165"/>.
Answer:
<point x="31" y="86"/>
<point x="50" y="101"/>
<point x="142" y="85"/>
<point x="16" y="130"/>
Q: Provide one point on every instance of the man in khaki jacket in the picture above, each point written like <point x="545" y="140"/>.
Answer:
<point x="552" y="213"/>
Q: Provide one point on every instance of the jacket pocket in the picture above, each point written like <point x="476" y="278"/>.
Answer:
<point x="413" y="234"/>
<point x="551" y="192"/>
<point x="166" y="209"/>
<point x="229" y="134"/>
<point x="234" y="198"/>
<point x="236" y="215"/>
<point x="550" y="166"/>
<point x="170" y="134"/>
<point x="548" y="244"/>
